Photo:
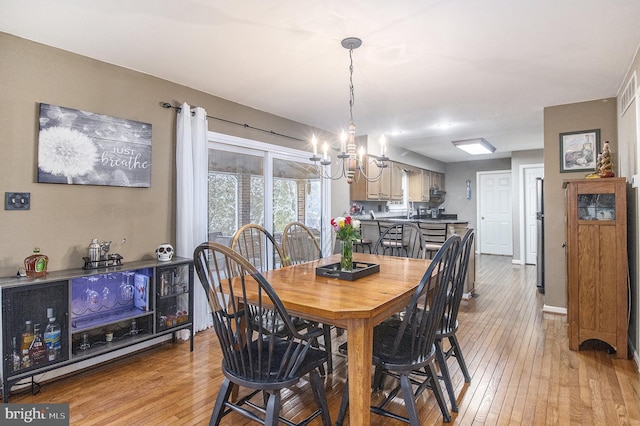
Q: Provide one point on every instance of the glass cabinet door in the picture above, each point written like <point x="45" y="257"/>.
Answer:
<point x="172" y="296"/>
<point x="27" y="312"/>
<point x="597" y="206"/>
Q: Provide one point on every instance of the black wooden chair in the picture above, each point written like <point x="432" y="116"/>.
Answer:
<point x="299" y="245"/>
<point x="259" y="247"/>
<point x="400" y="349"/>
<point x="450" y="319"/>
<point x="261" y="359"/>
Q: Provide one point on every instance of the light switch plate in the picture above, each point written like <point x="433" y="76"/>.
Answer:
<point x="17" y="200"/>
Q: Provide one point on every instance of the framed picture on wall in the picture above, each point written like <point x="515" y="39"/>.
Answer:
<point x="85" y="148"/>
<point x="579" y="150"/>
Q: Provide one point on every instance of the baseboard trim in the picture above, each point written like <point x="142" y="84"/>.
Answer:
<point x="554" y="310"/>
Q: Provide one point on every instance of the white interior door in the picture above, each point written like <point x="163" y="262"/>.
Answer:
<point x="494" y="210"/>
<point x="530" y="222"/>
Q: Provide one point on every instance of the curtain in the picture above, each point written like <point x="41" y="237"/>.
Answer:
<point x="191" y="197"/>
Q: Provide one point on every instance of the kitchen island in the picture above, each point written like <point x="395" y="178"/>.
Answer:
<point x="370" y="229"/>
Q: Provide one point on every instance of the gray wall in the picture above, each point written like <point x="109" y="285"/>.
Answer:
<point x="599" y="114"/>
<point x="628" y="144"/>
<point x="518" y="159"/>
<point x="456" y="175"/>
<point x="64" y="218"/>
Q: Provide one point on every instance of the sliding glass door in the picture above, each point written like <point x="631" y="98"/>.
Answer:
<point x="253" y="182"/>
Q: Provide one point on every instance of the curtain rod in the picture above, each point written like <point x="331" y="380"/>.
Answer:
<point x="245" y="125"/>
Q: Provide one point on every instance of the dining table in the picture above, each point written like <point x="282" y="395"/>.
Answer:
<point x="356" y="305"/>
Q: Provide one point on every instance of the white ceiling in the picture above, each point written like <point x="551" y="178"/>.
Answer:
<point x="437" y="70"/>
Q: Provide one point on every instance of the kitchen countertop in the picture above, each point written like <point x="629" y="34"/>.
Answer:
<point x="398" y="219"/>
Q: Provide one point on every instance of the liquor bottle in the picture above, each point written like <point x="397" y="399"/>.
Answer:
<point x="37" y="351"/>
<point x="15" y="357"/>
<point x="52" y="337"/>
<point x="25" y="344"/>
<point x="36" y="264"/>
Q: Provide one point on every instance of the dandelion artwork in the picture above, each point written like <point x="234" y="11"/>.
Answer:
<point x="80" y="147"/>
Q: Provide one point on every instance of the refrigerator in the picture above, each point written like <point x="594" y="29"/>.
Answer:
<point x="540" y="234"/>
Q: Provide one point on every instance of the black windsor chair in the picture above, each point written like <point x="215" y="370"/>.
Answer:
<point x="450" y="319"/>
<point x="300" y="245"/>
<point x="400" y="349"/>
<point x="263" y="359"/>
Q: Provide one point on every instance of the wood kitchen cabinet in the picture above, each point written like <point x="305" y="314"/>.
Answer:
<point x="396" y="181"/>
<point x="419" y="185"/>
<point x="437" y="181"/>
<point x="597" y="266"/>
<point x="362" y="190"/>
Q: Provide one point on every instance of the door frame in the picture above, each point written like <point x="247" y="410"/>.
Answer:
<point x="522" y="206"/>
<point x="479" y="203"/>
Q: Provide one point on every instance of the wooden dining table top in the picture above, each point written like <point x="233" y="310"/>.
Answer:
<point x="334" y="300"/>
<point x="357" y="305"/>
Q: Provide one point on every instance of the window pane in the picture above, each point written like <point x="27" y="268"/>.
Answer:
<point x="296" y="194"/>
<point x="223" y="192"/>
<point x="236" y="192"/>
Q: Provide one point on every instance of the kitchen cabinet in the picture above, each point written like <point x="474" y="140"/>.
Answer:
<point x="419" y="185"/>
<point x="396" y="181"/>
<point x="97" y="311"/>
<point x="437" y="181"/>
<point x="597" y="266"/>
<point x="380" y="189"/>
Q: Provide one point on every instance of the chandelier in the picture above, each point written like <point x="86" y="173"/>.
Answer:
<point x="350" y="161"/>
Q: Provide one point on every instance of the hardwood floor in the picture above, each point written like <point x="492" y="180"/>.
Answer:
<point x="521" y="367"/>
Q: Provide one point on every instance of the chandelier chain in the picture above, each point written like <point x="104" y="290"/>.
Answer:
<point x="352" y="98"/>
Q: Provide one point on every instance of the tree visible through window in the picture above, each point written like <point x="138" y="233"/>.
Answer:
<point x="223" y="199"/>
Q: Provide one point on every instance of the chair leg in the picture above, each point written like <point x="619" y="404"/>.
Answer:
<point x="409" y="400"/>
<point x="378" y="379"/>
<point x="344" y="404"/>
<point x="446" y="377"/>
<point x="327" y="346"/>
<point x="453" y="340"/>
<point x="272" y="410"/>
<point x="315" y="344"/>
<point x="223" y="397"/>
<point x="437" y="392"/>
<point x="321" y="398"/>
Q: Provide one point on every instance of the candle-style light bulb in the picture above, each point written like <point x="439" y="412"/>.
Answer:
<point x="361" y="154"/>
<point x="343" y="142"/>
<point x="325" y="148"/>
<point x="314" y="142"/>
<point x="383" y="142"/>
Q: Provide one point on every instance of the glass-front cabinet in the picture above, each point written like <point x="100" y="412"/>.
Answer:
<point x="597" y="298"/>
<point x="73" y="315"/>
<point x="173" y="296"/>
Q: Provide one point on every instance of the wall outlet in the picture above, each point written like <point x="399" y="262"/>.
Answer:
<point x="17" y="200"/>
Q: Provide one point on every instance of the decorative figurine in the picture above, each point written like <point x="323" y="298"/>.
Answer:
<point x="606" y="170"/>
<point x="596" y="173"/>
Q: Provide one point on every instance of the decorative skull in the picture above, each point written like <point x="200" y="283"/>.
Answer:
<point x="164" y="252"/>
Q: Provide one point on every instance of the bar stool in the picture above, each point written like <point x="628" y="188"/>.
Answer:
<point x="362" y="243"/>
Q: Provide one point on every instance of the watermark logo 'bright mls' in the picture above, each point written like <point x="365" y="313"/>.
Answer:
<point x="35" y="414"/>
<point x="26" y="415"/>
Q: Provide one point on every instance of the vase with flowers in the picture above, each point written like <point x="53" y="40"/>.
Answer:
<point x="347" y="231"/>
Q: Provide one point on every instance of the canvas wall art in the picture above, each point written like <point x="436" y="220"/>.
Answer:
<point x="84" y="148"/>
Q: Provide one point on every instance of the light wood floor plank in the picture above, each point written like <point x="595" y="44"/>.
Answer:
<point x="521" y="368"/>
